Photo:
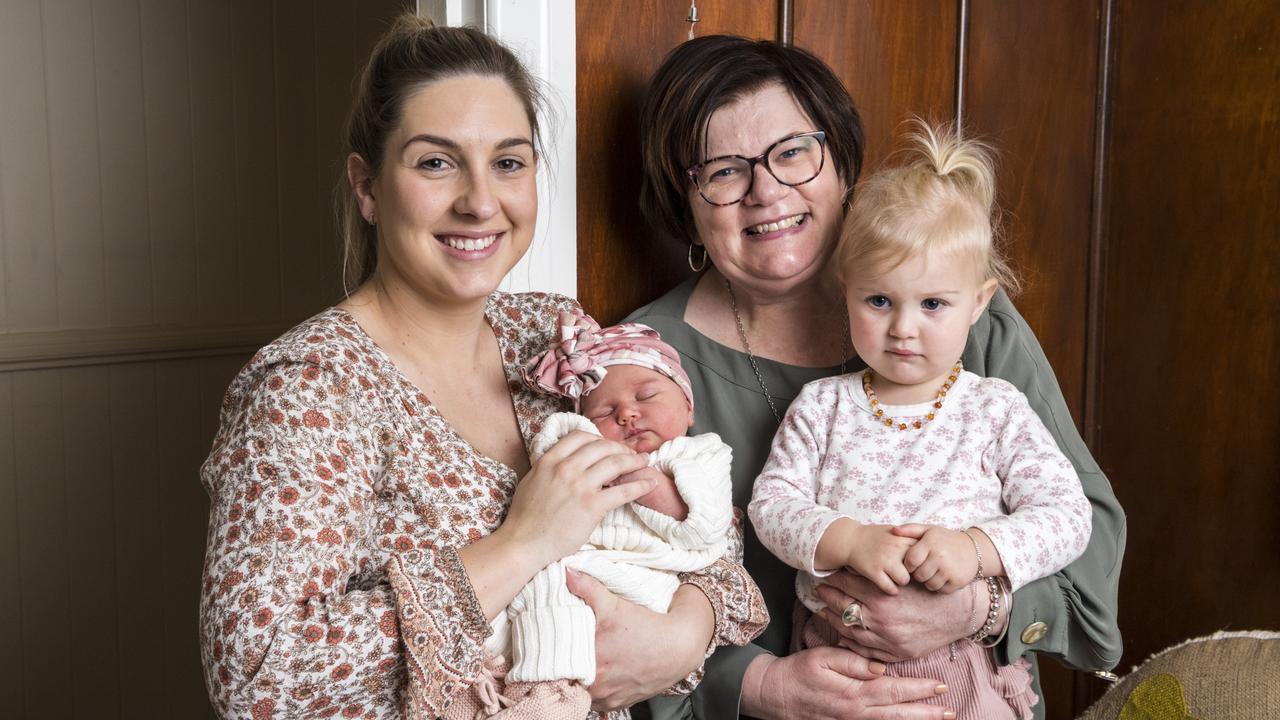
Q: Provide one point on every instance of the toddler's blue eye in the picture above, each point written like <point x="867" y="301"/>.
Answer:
<point x="932" y="304"/>
<point x="878" y="301"/>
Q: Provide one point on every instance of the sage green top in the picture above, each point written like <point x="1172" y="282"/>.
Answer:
<point x="1078" y="604"/>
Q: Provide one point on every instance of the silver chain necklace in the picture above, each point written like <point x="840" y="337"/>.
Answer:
<point x="755" y="367"/>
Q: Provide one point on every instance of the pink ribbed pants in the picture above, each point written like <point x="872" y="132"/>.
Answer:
<point x="977" y="689"/>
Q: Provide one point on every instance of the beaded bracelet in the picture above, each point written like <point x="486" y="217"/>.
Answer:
<point x="1007" y="598"/>
<point x="993" y="590"/>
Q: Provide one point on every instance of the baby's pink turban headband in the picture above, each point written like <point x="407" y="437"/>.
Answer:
<point x="575" y="365"/>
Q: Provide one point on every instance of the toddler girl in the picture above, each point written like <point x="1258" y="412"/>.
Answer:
<point x="915" y="469"/>
<point x="629" y="387"/>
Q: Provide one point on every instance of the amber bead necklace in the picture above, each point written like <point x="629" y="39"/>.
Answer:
<point x="916" y="424"/>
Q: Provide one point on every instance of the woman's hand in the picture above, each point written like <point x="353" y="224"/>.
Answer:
<point x="828" y="682"/>
<point x="911" y="624"/>
<point x="567" y="492"/>
<point x="640" y="653"/>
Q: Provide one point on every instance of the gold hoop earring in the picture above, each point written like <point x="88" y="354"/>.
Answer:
<point x="702" y="264"/>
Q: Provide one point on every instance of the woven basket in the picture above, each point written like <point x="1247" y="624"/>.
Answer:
<point x="1225" y="676"/>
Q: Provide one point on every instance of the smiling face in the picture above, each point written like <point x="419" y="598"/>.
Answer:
<point x="456" y="199"/>
<point x="910" y="323"/>
<point x="639" y="407"/>
<point x="778" y="237"/>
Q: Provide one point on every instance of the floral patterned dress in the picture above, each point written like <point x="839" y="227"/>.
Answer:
<point x="339" y="496"/>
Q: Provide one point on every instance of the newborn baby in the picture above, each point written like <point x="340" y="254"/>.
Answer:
<point x="642" y="409"/>
<point x="629" y="387"/>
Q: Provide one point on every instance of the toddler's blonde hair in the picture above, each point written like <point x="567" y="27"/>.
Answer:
<point x="940" y="201"/>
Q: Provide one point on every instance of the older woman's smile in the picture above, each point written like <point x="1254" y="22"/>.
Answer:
<point x="777" y="225"/>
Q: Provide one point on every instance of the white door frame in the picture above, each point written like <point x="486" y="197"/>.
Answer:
<point x="543" y="34"/>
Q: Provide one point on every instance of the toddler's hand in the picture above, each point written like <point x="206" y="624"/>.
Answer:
<point x="878" y="555"/>
<point x="663" y="498"/>
<point x="941" y="559"/>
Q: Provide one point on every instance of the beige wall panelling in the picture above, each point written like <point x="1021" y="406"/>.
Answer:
<point x="31" y="300"/>
<point x="181" y="445"/>
<point x="4" y="303"/>
<point x="302" y="261"/>
<point x="257" y="207"/>
<point x="122" y="125"/>
<point x="140" y="195"/>
<point x="213" y="153"/>
<point x="43" y="562"/>
<point x="139" y="584"/>
<point x="11" y="665"/>
<point x="91" y="517"/>
<point x="73" y="164"/>
<point x="335" y="73"/>
<point x="369" y="21"/>
<point x="167" y="98"/>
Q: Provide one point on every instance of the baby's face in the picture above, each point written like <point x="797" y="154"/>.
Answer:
<point x="639" y="407"/>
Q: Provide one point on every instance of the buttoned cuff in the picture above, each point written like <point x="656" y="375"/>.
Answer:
<point x="1038" y="622"/>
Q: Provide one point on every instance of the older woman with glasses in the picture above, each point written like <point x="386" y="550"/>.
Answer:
<point x="751" y="153"/>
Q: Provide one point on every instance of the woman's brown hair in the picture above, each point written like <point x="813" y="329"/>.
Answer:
<point x="699" y="77"/>
<point x="413" y="54"/>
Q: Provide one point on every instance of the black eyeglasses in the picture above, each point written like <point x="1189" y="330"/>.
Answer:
<point x="793" y="160"/>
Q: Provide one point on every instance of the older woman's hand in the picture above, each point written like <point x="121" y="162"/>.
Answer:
<point x="640" y="653"/>
<point x="834" y="683"/>
<point x="911" y="624"/>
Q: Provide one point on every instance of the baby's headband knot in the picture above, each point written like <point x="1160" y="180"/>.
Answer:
<point x="574" y="365"/>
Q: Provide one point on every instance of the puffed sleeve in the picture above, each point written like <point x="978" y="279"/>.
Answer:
<point x="295" y="619"/>
<point x="740" y="613"/>
<point x="1078" y="604"/>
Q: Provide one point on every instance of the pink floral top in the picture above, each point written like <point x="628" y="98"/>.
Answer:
<point x="985" y="461"/>
<point x="339" y="499"/>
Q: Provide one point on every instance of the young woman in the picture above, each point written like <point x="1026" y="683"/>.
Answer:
<point x="373" y="506"/>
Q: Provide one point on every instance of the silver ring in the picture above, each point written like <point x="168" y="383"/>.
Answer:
<point x="852" y="614"/>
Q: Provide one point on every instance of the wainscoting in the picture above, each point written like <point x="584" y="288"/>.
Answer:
<point x="166" y="178"/>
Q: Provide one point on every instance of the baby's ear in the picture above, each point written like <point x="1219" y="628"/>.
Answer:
<point x="985" y="293"/>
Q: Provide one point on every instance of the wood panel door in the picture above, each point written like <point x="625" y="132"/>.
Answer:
<point x="1190" y="361"/>
<point x="621" y="265"/>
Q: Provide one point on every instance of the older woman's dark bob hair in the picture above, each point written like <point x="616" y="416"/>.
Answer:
<point x="702" y="75"/>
